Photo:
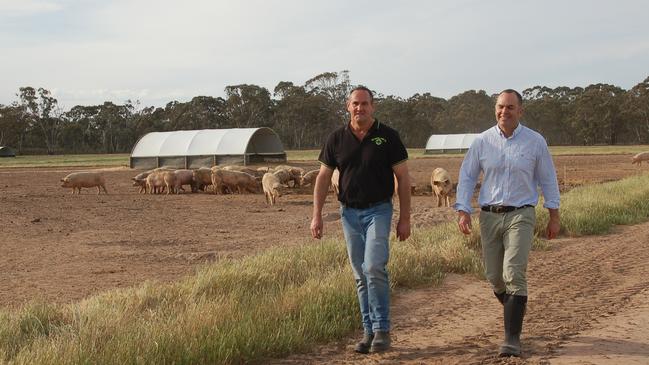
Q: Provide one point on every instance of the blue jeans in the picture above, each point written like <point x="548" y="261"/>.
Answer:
<point x="367" y="232"/>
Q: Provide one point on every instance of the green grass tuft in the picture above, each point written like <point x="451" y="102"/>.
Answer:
<point x="595" y="209"/>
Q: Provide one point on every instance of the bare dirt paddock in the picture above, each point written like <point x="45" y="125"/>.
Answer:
<point x="590" y="295"/>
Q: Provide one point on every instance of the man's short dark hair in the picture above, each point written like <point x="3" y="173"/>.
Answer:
<point x="363" y="88"/>
<point x="512" y="91"/>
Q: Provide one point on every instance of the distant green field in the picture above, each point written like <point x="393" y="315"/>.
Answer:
<point x="293" y="155"/>
<point x="312" y="155"/>
<point x="65" y="160"/>
<point x="598" y="150"/>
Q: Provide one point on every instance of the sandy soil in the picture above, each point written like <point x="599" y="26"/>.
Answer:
<point x="587" y="293"/>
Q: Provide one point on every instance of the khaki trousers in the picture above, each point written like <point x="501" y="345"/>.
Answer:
<point x="506" y="243"/>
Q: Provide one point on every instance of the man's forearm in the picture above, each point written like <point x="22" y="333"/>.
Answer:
<point x="404" y="201"/>
<point x="319" y="195"/>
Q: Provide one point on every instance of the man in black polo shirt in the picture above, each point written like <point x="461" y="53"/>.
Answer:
<point x="368" y="155"/>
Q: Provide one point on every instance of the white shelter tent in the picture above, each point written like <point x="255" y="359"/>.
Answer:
<point x="7" y="152"/>
<point x="207" y="147"/>
<point x="449" y="143"/>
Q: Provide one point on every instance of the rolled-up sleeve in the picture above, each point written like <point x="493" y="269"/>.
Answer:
<point x="469" y="173"/>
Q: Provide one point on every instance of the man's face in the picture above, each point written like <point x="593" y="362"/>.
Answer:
<point x="508" y="111"/>
<point x="360" y="107"/>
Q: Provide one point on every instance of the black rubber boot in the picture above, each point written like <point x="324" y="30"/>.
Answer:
<point x="501" y="297"/>
<point x="514" y="310"/>
<point x="381" y="341"/>
<point x="364" y="345"/>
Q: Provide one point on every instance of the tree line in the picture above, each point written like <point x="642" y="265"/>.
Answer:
<point x="303" y="115"/>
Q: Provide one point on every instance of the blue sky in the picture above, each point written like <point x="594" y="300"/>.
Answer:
<point x="88" y="52"/>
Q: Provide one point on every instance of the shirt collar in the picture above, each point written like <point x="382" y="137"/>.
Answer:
<point x="517" y="130"/>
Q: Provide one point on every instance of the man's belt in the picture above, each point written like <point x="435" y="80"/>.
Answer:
<point x="357" y="205"/>
<point x="503" y="208"/>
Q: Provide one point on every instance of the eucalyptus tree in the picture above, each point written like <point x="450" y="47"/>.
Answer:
<point x="150" y="119"/>
<point x="397" y="113"/>
<point x="469" y="112"/>
<point x="548" y="112"/>
<point x="106" y="128"/>
<point x="636" y="112"/>
<point x="12" y="128"/>
<point x="79" y="132"/>
<point x="114" y="123"/>
<point x="596" y="115"/>
<point x="424" y="108"/>
<point x="335" y="87"/>
<point x="202" y="112"/>
<point x="301" y="118"/>
<point x="247" y="106"/>
<point x="40" y="110"/>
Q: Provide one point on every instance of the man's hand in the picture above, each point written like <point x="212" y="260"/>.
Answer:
<point x="464" y="222"/>
<point x="322" y="182"/>
<point x="403" y="230"/>
<point x="316" y="226"/>
<point x="403" y="179"/>
<point x="554" y="225"/>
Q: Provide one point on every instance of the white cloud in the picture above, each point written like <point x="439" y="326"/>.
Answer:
<point x="159" y="51"/>
<point x="28" y="7"/>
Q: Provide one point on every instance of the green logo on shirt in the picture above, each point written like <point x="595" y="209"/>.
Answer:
<point x="379" y="140"/>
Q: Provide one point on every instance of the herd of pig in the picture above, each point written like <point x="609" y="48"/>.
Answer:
<point x="242" y="179"/>
<point x="222" y="179"/>
<point x="236" y="179"/>
<point x="226" y="180"/>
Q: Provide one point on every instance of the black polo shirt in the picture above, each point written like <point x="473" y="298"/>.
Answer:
<point x="365" y="166"/>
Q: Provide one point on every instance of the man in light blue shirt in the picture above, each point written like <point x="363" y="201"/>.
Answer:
<point x="514" y="161"/>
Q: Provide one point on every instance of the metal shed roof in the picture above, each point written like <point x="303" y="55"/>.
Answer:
<point x="450" y="141"/>
<point x="235" y="141"/>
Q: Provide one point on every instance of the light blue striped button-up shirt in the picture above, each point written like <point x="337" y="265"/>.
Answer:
<point x="512" y="170"/>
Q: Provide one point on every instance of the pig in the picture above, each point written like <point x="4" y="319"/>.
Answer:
<point x="234" y="181"/>
<point x="295" y="173"/>
<point x="272" y="187"/>
<point x="186" y="177"/>
<point x="171" y="181"/>
<point x="78" y="180"/>
<point x="284" y="177"/>
<point x="642" y="156"/>
<point x="264" y="170"/>
<point x="140" y="180"/>
<point x="202" y="177"/>
<point x="309" y="178"/>
<point x="440" y="180"/>
<point x="155" y="182"/>
<point x="218" y="187"/>
<point x="335" y="176"/>
<point x="247" y="170"/>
